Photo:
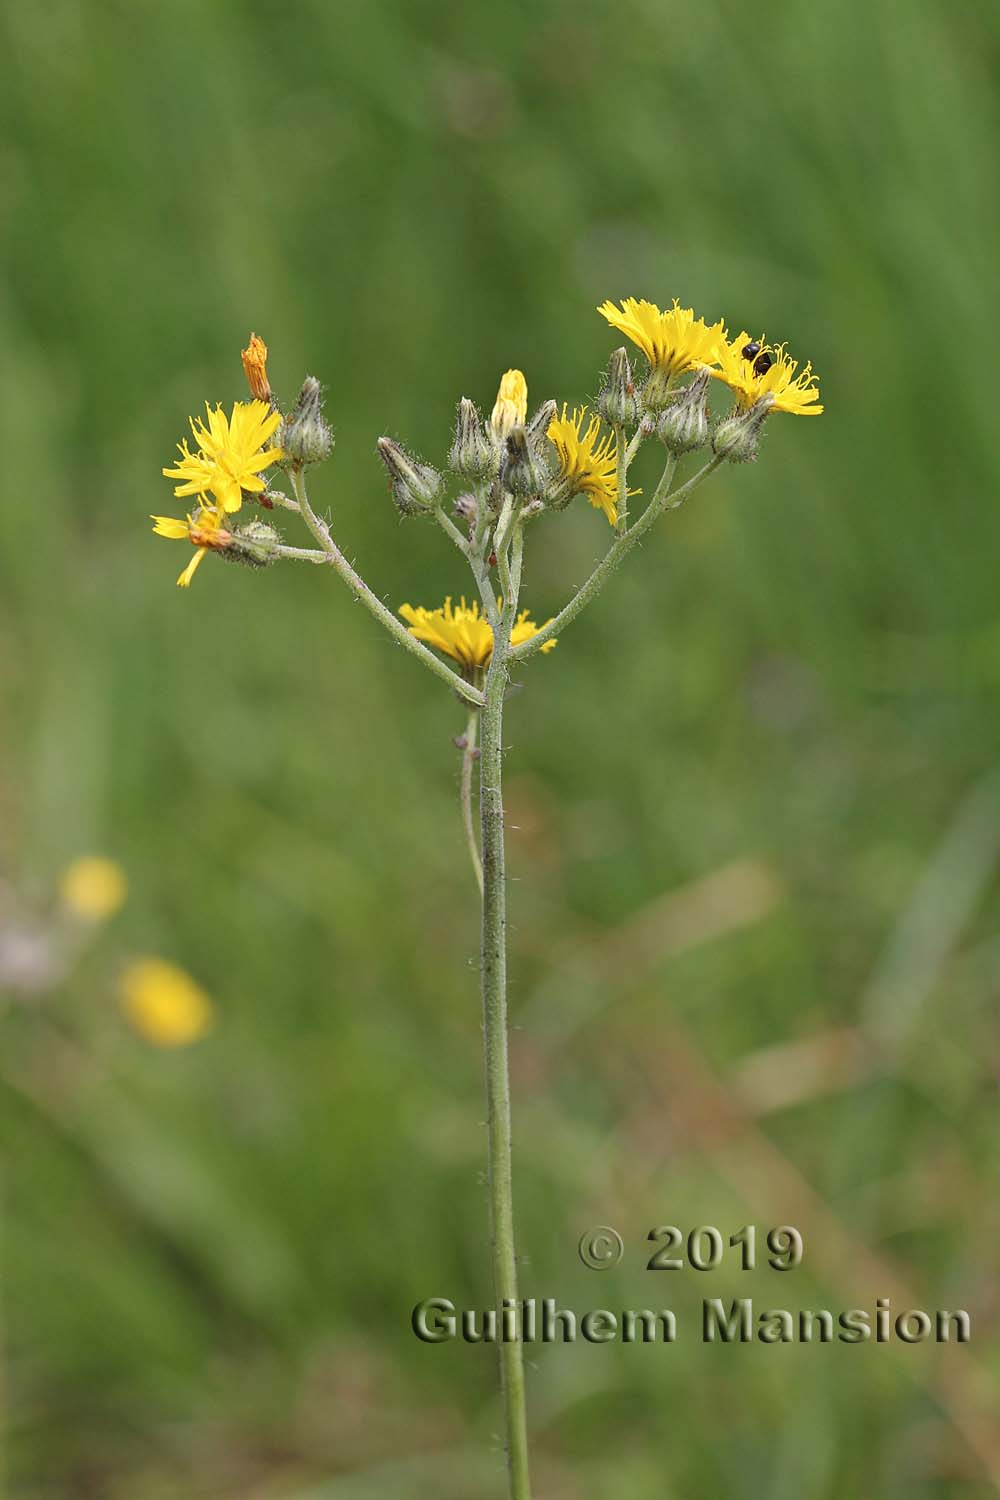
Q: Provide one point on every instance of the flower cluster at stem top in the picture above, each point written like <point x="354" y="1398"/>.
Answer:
<point x="513" y="467"/>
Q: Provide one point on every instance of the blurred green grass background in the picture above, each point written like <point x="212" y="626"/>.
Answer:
<point x="755" y="909"/>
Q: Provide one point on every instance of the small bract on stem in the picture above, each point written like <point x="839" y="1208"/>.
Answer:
<point x="467" y="744"/>
<point x="509" y="470"/>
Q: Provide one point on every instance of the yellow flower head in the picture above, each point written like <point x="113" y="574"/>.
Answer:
<point x="203" y="529"/>
<point x="673" y="341"/>
<point x="463" y="633"/>
<point x="163" y="1003"/>
<point x="93" y="888"/>
<point x="754" y="369"/>
<point x="587" y="461"/>
<point x="254" y="358"/>
<point x="511" y="406"/>
<point x="231" y="453"/>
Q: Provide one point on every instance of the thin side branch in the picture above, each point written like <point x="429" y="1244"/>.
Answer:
<point x="450" y="529"/>
<point x="373" y="603"/>
<point x="303" y="554"/>
<point x="662" y="500"/>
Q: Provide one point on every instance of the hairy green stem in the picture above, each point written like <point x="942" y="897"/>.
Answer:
<point x="494" y="995"/>
<point x="271" y="498"/>
<point x="372" y="602"/>
<point x="621" y="478"/>
<point x="449" y="528"/>
<point x="634" y="445"/>
<point x="478" y="552"/>
<point x="501" y="540"/>
<point x="472" y="553"/>
<point x="467" y="745"/>
<point x="662" y="500"/>
<point x="516" y="564"/>
<point x="472" y="549"/>
<point x="302" y="554"/>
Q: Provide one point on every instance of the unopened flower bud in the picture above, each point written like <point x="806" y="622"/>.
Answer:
<point x="255" y="369"/>
<point x="683" y="426"/>
<point x="415" y="485"/>
<point x="255" y="545"/>
<point x="656" y="392"/>
<point x="537" y="428"/>
<point x="472" y="454"/>
<point x="523" y="472"/>
<point x="617" y="401"/>
<point x="305" y="435"/>
<point x="737" y="436"/>
<point x="511" y="405"/>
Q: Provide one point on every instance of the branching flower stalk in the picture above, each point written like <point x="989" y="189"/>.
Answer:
<point x="513" y="473"/>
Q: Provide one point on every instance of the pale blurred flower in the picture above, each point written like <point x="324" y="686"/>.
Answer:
<point x="28" y="963"/>
<point x="164" y="1004"/>
<point x="93" y="888"/>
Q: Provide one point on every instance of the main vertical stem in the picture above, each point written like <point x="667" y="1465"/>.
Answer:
<point x="494" y="991"/>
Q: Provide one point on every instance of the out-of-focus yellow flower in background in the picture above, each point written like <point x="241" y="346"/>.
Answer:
<point x="93" y="888"/>
<point x="164" y="1004"/>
